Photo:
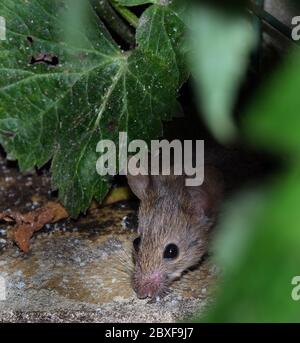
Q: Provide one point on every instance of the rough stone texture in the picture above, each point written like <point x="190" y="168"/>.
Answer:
<point x="283" y="10"/>
<point x="79" y="271"/>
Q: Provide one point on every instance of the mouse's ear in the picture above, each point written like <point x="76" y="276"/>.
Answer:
<point x="205" y="199"/>
<point x="138" y="178"/>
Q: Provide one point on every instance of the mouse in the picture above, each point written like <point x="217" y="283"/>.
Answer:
<point x="175" y="222"/>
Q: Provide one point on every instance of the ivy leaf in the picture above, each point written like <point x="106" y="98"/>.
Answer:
<point x="60" y="97"/>
<point x="221" y="44"/>
<point x="162" y="32"/>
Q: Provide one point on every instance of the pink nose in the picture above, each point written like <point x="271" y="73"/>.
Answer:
<point x="146" y="291"/>
<point x="149" y="286"/>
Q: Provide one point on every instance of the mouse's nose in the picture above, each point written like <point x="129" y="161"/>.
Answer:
<point x="149" y="286"/>
<point x="146" y="292"/>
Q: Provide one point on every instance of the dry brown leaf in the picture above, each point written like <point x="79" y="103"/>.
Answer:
<point x="27" y="224"/>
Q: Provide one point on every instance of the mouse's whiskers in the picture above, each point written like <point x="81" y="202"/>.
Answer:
<point x="125" y="261"/>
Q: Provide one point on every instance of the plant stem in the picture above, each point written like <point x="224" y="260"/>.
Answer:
<point x="130" y="17"/>
<point x="107" y="13"/>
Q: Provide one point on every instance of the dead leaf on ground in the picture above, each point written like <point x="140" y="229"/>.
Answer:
<point x="27" y="224"/>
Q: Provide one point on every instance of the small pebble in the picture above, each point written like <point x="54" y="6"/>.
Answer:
<point x="20" y="285"/>
<point x="77" y="259"/>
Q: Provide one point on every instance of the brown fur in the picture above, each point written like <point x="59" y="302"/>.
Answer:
<point x="171" y="212"/>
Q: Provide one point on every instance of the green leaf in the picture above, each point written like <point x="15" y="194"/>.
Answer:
<point x="221" y="43"/>
<point x="258" y="245"/>
<point x="273" y="120"/>
<point x="63" y="111"/>
<point x="161" y="32"/>
<point x="263" y="259"/>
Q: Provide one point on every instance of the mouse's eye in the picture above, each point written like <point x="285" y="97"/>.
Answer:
<point x="171" y="251"/>
<point x="136" y="243"/>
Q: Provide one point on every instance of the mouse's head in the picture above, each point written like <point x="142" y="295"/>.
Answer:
<point x="174" y="223"/>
